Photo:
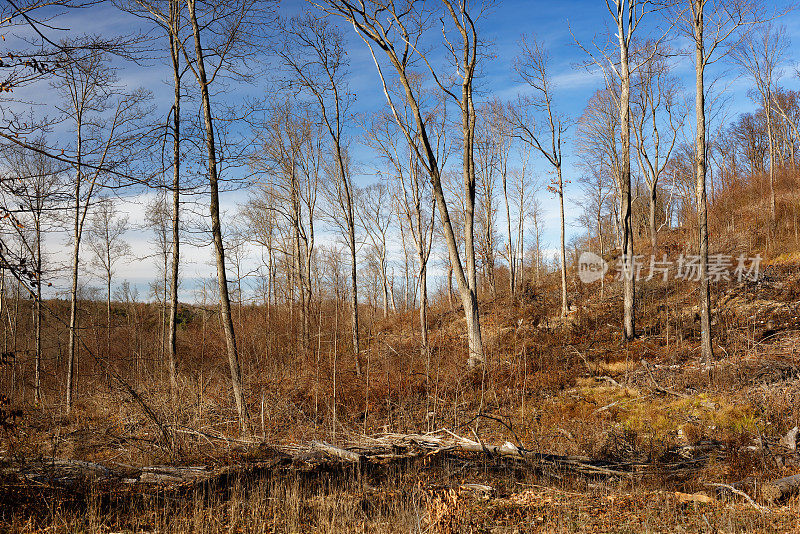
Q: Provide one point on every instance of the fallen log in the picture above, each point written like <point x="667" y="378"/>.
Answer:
<point x="160" y="474"/>
<point x="336" y="452"/>
<point x="781" y="488"/>
<point x="78" y="475"/>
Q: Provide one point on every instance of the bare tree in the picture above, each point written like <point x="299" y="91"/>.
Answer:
<point x="533" y="66"/>
<point x="290" y="157"/>
<point x="598" y="134"/>
<point x="374" y="206"/>
<point x="626" y="15"/>
<point x="316" y="58"/>
<point x="709" y="24"/>
<point x="525" y="188"/>
<point x="34" y="190"/>
<point x="169" y="16"/>
<point x="787" y="104"/>
<point x="487" y="155"/>
<point x="262" y="221"/>
<point x="158" y="219"/>
<point x="107" y="229"/>
<point x="658" y="115"/>
<point x="397" y="36"/>
<point x="230" y="32"/>
<point x="596" y="196"/>
<point x="105" y="126"/>
<point x="413" y="201"/>
<point x="760" y="55"/>
<point x="501" y="135"/>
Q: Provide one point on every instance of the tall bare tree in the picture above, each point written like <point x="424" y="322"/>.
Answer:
<point x="617" y="66"/>
<point x="544" y="133"/>
<point x="413" y="201"/>
<point x="760" y="56"/>
<point x="224" y="36"/>
<point x="598" y="140"/>
<point x="157" y="219"/>
<point x="316" y="59"/>
<point x="290" y="158"/>
<point x="627" y="15"/>
<point x="106" y="240"/>
<point x="375" y="211"/>
<point x="104" y="122"/>
<point x="525" y="187"/>
<point x="396" y="31"/>
<point x="710" y="25"/>
<point x="487" y="168"/>
<point x="35" y="191"/>
<point x="501" y="135"/>
<point x="169" y="17"/>
<point x="658" y="115"/>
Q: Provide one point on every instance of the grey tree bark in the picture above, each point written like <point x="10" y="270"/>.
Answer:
<point x="700" y="186"/>
<point x="624" y="35"/>
<point x="216" y="229"/>
<point x="174" y="48"/>
<point x="721" y="22"/>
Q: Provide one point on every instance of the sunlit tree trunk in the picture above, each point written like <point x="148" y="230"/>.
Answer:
<point x="216" y="230"/>
<point x="172" y="348"/>
<point x="700" y="162"/>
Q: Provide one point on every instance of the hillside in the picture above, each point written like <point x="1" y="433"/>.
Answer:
<point x="664" y="430"/>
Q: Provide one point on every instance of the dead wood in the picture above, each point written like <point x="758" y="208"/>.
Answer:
<point x="79" y="475"/>
<point x="336" y="452"/>
<point x="781" y="488"/>
<point x="656" y="386"/>
<point x="740" y="493"/>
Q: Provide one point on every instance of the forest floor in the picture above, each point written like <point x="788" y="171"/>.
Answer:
<point x="686" y="445"/>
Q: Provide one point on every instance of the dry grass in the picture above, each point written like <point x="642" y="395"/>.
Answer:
<point x="335" y="503"/>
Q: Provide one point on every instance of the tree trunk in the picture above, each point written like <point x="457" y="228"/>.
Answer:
<point x="450" y="285"/>
<point x="602" y="252"/>
<point x="653" y="229"/>
<point x="771" y="141"/>
<point x="354" y="290"/>
<point x="423" y="304"/>
<point x="385" y="282"/>
<point x="172" y="342"/>
<point x="512" y="260"/>
<point x="73" y="302"/>
<point x="108" y="310"/>
<point x="216" y="231"/>
<point x="538" y="248"/>
<point x="563" y="251"/>
<point x="700" y="157"/>
<point x="470" y="296"/>
<point x="628" y="330"/>
<point x="37" y="383"/>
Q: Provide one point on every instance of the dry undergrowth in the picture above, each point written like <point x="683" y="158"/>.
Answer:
<point x="563" y="387"/>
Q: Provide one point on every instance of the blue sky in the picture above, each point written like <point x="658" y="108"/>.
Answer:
<point x="502" y="28"/>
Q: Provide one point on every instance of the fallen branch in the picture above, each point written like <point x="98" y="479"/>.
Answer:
<point x="740" y="493"/>
<point x="655" y="384"/>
